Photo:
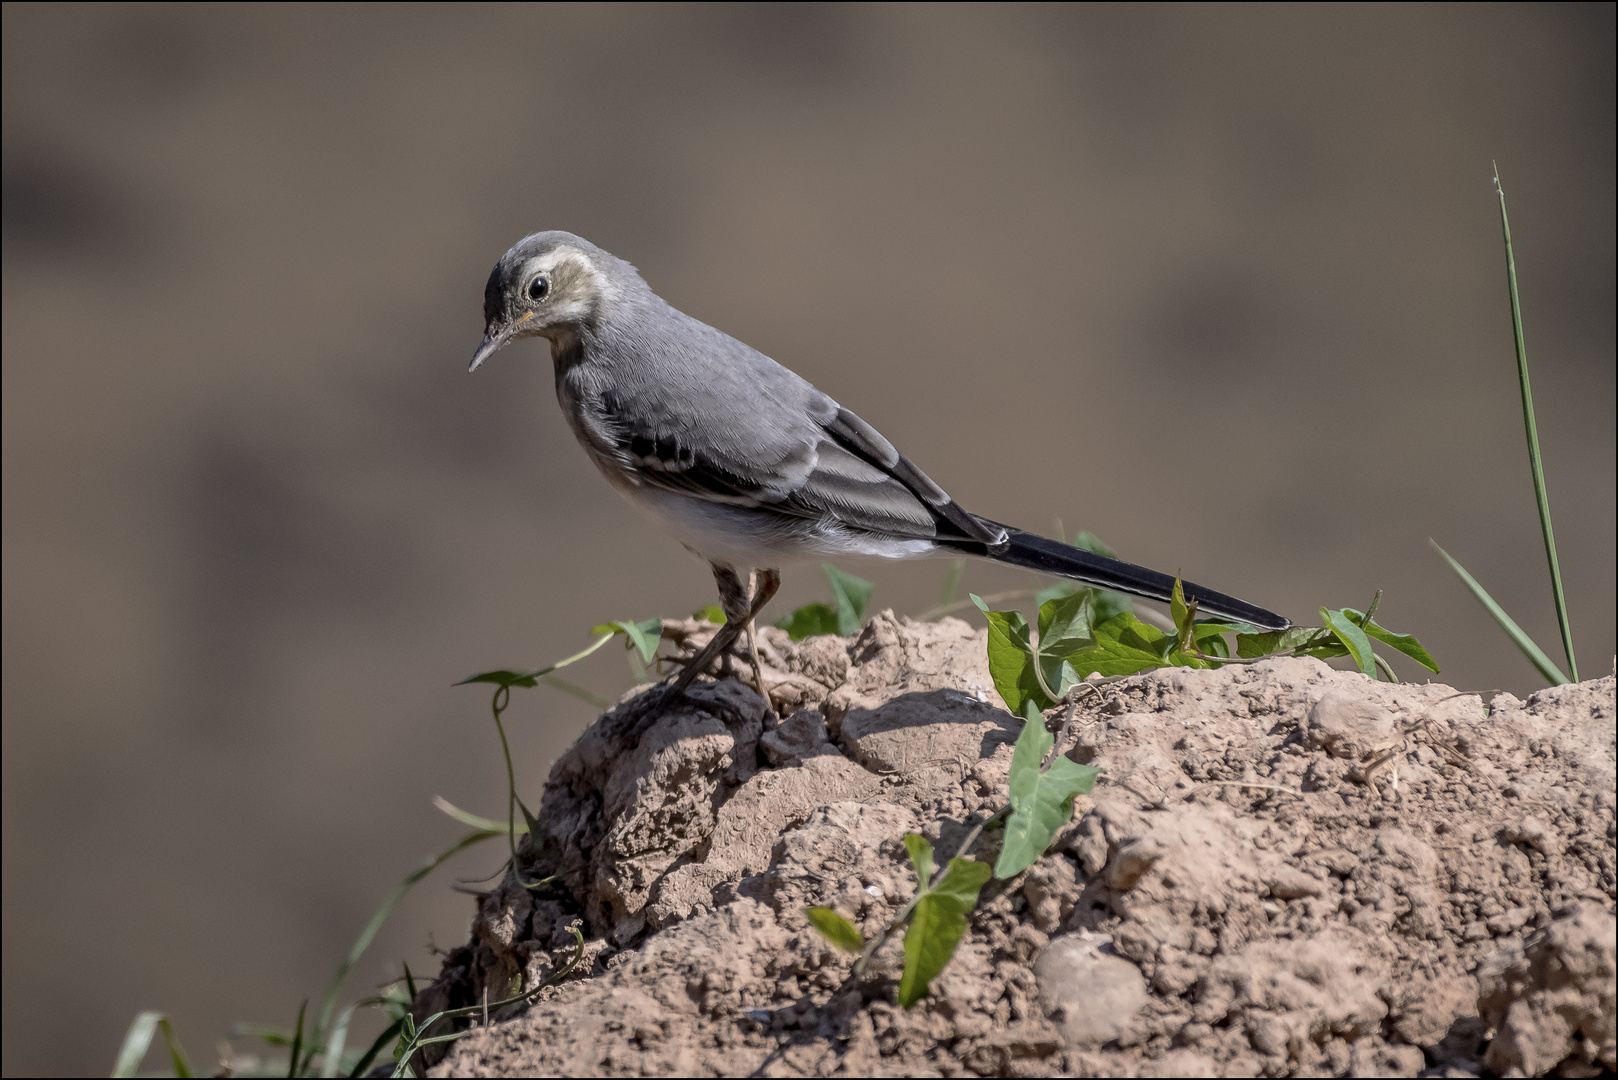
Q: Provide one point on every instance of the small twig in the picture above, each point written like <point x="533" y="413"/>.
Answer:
<point x="1059" y="747"/>
<point x="1365" y="773"/>
<point x="1240" y="783"/>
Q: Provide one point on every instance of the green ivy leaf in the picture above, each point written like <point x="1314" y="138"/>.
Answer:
<point x="851" y="595"/>
<point x="1251" y="646"/>
<point x="1092" y="543"/>
<point x="1123" y="646"/>
<point x="962" y="881"/>
<point x="1064" y="623"/>
<point x="836" y="929"/>
<point x="811" y="620"/>
<point x="1011" y="658"/>
<point x="1110" y="603"/>
<point x="504" y="678"/>
<point x="1107" y="602"/>
<point x="1211" y="640"/>
<point x="1405" y="643"/>
<point x="1064" y="629"/>
<point x="1353" y="638"/>
<point x="1056" y="592"/>
<point x="644" y="636"/>
<point x="509" y="679"/>
<point x="921" y="858"/>
<point x="1327" y="648"/>
<point x="938" y="918"/>
<point x="712" y="613"/>
<point x="1041" y="802"/>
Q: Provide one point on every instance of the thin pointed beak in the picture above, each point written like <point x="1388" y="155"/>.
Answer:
<point x="493" y="338"/>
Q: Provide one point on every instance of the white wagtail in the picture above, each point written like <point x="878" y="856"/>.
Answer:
<point x="748" y="464"/>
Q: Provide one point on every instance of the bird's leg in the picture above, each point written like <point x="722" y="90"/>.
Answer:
<point x="752" y="654"/>
<point x="740" y="608"/>
<point x="765" y="582"/>
<point x="733" y="598"/>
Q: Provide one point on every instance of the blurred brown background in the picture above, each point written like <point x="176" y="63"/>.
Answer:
<point x="1223" y="285"/>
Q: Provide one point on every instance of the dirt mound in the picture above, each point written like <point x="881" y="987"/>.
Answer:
<point x="1285" y="870"/>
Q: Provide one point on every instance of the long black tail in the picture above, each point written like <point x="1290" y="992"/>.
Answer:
<point x="1063" y="560"/>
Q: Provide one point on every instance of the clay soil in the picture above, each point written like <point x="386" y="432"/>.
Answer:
<point x="1285" y="870"/>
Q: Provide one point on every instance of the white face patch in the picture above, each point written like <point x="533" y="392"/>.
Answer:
<point x="578" y="284"/>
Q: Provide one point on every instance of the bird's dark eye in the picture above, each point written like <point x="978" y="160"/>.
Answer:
<point x="539" y="288"/>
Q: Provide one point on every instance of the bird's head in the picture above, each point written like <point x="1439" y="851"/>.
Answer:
<point x="547" y="285"/>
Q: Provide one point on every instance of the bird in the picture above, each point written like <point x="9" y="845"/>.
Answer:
<point x="742" y="459"/>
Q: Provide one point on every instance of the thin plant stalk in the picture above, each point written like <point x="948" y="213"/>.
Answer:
<point x="139" y="1040"/>
<point x="1531" y="429"/>
<point x="398" y="892"/>
<point x="1536" y="656"/>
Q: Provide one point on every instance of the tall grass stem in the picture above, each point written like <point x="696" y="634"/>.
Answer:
<point x="1532" y="431"/>
<point x="1536" y="656"/>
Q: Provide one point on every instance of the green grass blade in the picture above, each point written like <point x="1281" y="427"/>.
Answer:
<point x="293" y="1068"/>
<point x="363" y="942"/>
<point x="1535" y="654"/>
<point x="332" y="1055"/>
<point x="952" y="583"/>
<point x="182" y="1067"/>
<point x="264" y="1033"/>
<point x="416" y="1037"/>
<point x="466" y="817"/>
<point x="573" y="689"/>
<point x="1531" y="430"/>
<point x="136" y="1043"/>
<point x="139" y="1040"/>
<point x="389" y="1033"/>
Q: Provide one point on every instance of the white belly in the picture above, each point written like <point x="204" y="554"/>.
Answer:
<point x="747" y="539"/>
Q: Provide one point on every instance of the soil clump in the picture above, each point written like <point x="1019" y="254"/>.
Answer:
<point x="1285" y="870"/>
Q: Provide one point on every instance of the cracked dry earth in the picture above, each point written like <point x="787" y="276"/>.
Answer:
<point x="1285" y="870"/>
